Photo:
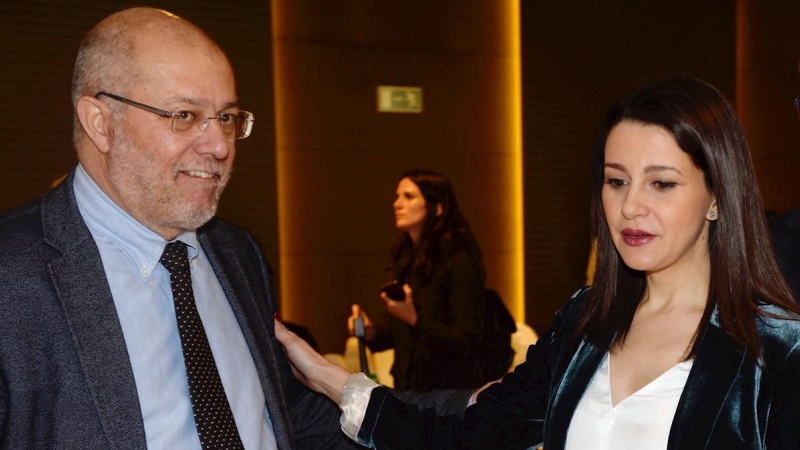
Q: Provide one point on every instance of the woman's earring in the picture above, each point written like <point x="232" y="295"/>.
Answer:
<point x="712" y="215"/>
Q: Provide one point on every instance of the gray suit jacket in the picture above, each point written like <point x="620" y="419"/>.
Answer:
<point x="65" y="377"/>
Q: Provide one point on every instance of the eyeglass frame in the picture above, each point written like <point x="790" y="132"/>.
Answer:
<point x="248" y="116"/>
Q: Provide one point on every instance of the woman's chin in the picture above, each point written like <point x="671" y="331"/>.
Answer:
<point x="638" y="264"/>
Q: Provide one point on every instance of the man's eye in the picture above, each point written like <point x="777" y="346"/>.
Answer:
<point x="185" y="116"/>
<point x="226" y="118"/>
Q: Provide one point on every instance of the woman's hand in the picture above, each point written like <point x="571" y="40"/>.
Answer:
<point x="369" y="329"/>
<point x="404" y="310"/>
<point x="311" y="368"/>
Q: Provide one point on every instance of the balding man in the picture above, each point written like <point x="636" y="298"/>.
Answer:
<point x="130" y="317"/>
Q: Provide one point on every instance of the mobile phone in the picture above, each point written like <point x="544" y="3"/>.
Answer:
<point x="394" y="291"/>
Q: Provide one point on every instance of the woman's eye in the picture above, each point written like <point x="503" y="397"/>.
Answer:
<point x="664" y="185"/>
<point x="615" y="183"/>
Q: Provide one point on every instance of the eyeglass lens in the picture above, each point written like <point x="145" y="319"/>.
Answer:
<point x="236" y="126"/>
<point x="186" y="123"/>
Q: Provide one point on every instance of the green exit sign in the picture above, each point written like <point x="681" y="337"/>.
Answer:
<point x="399" y="99"/>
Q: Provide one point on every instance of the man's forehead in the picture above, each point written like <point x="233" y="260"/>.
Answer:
<point x="186" y="80"/>
<point x="175" y="61"/>
<point x="156" y="54"/>
<point x="178" y="36"/>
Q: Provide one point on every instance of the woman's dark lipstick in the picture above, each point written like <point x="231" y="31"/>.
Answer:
<point x="635" y="238"/>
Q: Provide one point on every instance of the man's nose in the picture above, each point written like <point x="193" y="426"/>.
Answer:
<point x="215" y="140"/>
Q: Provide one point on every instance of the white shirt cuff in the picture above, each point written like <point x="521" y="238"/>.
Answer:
<point x="353" y="403"/>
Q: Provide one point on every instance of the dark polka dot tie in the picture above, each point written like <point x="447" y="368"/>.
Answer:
<point x="212" y="413"/>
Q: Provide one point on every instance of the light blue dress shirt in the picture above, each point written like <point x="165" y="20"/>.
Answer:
<point x="143" y="298"/>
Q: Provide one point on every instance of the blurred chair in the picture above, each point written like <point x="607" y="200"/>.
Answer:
<point x="382" y="366"/>
<point x="523" y="338"/>
<point x="380" y="363"/>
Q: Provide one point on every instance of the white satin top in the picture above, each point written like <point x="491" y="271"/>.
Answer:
<point x="641" y="421"/>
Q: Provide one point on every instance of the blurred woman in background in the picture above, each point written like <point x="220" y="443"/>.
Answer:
<point x="435" y="317"/>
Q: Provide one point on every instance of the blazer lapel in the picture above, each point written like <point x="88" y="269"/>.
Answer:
<point x="82" y="288"/>
<point x="575" y="380"/>
<point x="713" y="373"/>
<point x="252" y="320"/>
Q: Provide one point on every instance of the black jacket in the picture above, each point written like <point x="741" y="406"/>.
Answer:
<point x="442" y="350"/>
<point x="730" y="401"/>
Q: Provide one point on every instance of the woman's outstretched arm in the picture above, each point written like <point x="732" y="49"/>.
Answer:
<point x="311" y="368"/>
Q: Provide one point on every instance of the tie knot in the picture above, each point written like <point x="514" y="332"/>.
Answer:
<point x="175" y="257"/>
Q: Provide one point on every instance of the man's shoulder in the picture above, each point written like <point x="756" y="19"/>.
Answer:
<point x="218" y="229"/>
<point x="53" y="218"/>
<point x="22" y="220"/>
<point x="23" y="246"/>
<point x="224" y="238"/>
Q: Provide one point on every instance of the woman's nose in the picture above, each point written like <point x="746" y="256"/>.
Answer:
<point x="633" y="204"/>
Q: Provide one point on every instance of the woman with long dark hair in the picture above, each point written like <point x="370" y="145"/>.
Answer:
<point x="435" y="325"/>
<point x="689" y="337"/>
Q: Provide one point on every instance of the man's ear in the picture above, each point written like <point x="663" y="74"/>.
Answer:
<point x="96" y="120"/>
<point x="439" y="209"/>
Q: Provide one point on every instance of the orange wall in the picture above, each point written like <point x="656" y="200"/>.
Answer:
<point x="339" y="160"/>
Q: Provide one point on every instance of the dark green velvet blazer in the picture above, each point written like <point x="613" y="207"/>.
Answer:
<point x="730" y="401"/>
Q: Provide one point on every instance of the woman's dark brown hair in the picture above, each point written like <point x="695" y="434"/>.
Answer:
<point x="744" y="274"/>
<point x="441" y="234"/>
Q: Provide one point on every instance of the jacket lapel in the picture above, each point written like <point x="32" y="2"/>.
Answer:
<point x="82" y="288"/>
<point x="576" y="378"/>
<point x="713" y="373"/>
<point x="251" y="316"/>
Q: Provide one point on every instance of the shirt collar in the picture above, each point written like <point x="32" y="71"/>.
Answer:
<point x="140" y="245"/>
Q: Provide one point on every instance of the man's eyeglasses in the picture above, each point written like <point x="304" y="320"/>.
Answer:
<point x="190" y="123"/>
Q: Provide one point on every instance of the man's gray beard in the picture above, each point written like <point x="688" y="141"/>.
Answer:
<point x="194" y="218"/>
<point x="176" y="214"/>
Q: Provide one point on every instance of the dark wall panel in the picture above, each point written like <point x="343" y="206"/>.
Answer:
<point x="767" y="82"/>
